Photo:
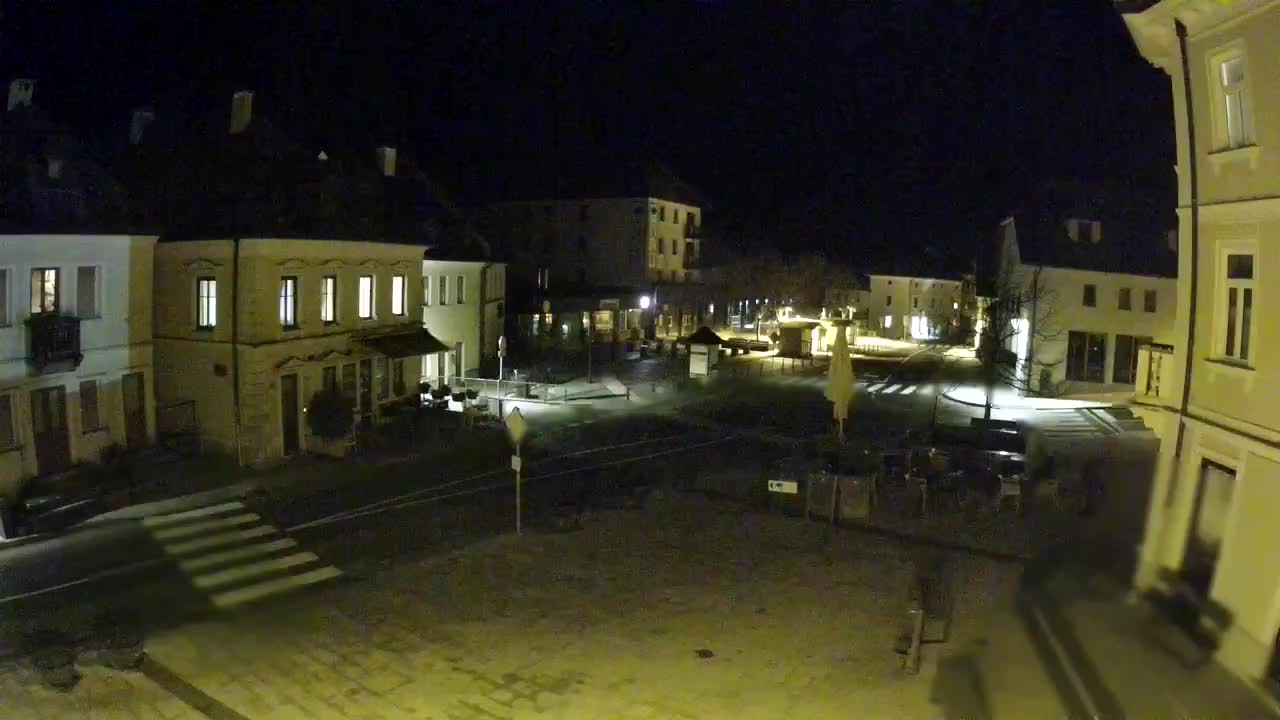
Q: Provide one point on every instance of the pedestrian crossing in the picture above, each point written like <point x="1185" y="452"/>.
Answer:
<point x="1069" y="425"/>
<point x="227" y="553"/>
<point x="873" y="387"/>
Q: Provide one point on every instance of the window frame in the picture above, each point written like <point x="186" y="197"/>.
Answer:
<point x="288" y="302"/>
<point x="6" y="296"/>
<point x="1224" y="139"/>
<point x="1236" y="330"/>
<point x="1078" y="365"/>
<point x="399" y="296"/>
<point x="427" y="286"/>
<point x="329" y="299"/>
<point x="212" y="323"/>
<point x="1089" y="297"/>
<point x="97" y="424"/>
<point x="1124" y="299"/>
<point x="460" y="290"/>
<point x="8" y="421"/>
<point x="57" y="290"/>
<point x="366" y="298"/>
<point x="1150" y="301"/>
<point x="444" y="290"/>
<point x="97" y="292"/>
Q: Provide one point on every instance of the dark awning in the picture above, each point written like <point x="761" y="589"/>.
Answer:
<point x="415" y="341"/>
<point x="705" y="336"/>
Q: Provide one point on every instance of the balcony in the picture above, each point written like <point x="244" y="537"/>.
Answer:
<point x="53" y="342"/>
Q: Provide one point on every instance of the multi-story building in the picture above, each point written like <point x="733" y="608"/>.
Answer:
<point x="913" y="307"/>
<point x="464" y="307"/>
<point x="621" y="246"/>
<point x="275" y="278"/>
<point x="1086" y="303"/>
<point x="1211" y="520"/>
<point x="75" y="305"/>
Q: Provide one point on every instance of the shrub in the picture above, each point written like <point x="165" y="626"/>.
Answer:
<point x="329" y="415"/>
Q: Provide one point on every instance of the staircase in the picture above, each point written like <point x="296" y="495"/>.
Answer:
<point x="1122" y="419"/>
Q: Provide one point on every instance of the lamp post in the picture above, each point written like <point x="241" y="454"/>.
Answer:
<point x="502" y="354"/>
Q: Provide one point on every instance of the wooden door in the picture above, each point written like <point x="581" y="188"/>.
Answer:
<point x="289" y="413"/>
<point x="134" y="393"/>
<point x="49" y="428"/>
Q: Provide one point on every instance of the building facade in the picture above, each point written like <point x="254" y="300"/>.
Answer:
<point x="903" y="307"/>
<point x="250" y="329"/>
<point x="75" y="351"/>
<point x="1212" y="515"/>
<point x="463" y="306"/>
<point x="1081" y="327"/>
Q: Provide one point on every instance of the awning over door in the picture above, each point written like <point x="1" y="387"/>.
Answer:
<point x="404" y="343"/>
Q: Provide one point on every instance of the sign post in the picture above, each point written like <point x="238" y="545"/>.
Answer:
<point x="517" y="428"/>
<point x="502" y="354"/>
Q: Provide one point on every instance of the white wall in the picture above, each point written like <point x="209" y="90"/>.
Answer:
<point x="903" y="297"/>
<point x="453" y="322"/>
<point x="115" y="342"/>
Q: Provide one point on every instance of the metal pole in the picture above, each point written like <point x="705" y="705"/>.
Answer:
<point x="498" y="391"/>
<point x="519" y="467"/>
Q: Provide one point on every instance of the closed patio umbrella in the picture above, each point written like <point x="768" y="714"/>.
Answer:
<point x="840" y="380"/>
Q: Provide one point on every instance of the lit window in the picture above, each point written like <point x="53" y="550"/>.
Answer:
<point x="289" y="302"/>
<point x="444" y="289"/>
<point x="397" y="294"/>
<point x="44" y="290"/>
<point x="329" y="299"/>
<point x="1235" y="104"/>
<point x="426" y="290"/>
<point x="1238" y="307"/>
<point x="206" y="303"/>
<point x="366" y="297"/>
<point x="888" y="321"/>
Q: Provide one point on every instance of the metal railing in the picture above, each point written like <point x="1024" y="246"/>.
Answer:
<point x="1154" y="381"/>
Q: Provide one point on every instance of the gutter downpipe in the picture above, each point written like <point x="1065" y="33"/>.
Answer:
<point x="235" y="345"/>
<point x="1194" y="179"/>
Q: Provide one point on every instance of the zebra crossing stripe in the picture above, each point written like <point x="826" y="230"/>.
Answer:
<point x="240" y="553"/>
<point x="892" y="389"/>
<point x="220" y="540"/>
<point x="159" y="520"/>
<point x="239" y="596"/>
<point x="910" y="389"/>
<point x="196" y="528"/>
<point x="252" y="570"/>
<point x="875" y="388"/>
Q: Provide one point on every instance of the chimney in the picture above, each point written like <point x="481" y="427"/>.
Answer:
<point x="241" y="111"/>
<point x="20" y="92"/>
<point x="142" y="117"/>
<point x="387" y="161"/>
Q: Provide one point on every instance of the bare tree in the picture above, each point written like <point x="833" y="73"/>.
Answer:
<point x="1020" y="311"/>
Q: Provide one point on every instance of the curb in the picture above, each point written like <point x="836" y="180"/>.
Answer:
<point x="1094" y="406"/>
<point x="175" y="504"/>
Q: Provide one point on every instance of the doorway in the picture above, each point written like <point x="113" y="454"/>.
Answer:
<point x="289" y="413"/>
<point x="49" y="428"/>
<point x="134" y="395"/>
<point x="1208" y="525"/>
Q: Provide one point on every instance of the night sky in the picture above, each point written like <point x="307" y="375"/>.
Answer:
<point x="884" y="128"/>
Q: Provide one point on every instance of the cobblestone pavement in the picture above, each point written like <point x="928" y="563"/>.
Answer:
<point x="101" y="695"/>
<point x="685" y="609"/>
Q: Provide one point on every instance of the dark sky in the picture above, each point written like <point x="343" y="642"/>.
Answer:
<point x="863" y="132"/>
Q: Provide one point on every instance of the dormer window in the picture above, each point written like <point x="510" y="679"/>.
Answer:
<point x="1086" y="231"/>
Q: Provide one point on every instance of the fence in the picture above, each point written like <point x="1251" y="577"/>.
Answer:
<point x="775" y="365"/>
<point x="513" y="389"/>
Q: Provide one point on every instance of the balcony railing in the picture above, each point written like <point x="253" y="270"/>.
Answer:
<point x="1155" y="380"/>
<point x="53" y="340"/>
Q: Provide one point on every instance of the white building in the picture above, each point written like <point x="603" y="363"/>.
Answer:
<point x="1212" y="517"/>
<point x="464" y="306"/>
<point x="250" y="329"/>
<point x="75" y="304"/>
<point x="905" y="307"/>
<point x="1085" y="311"/>
<point x="75" y="350"/>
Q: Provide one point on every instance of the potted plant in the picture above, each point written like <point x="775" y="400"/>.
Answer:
<point x="330" y="415"/>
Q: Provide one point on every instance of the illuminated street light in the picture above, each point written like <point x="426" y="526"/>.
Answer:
<point x="645" y="302"/>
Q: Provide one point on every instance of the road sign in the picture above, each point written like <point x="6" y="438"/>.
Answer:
<point x="517" y="428"/>
<point x="789" y="487"/>
<point x="502" y="346"/>
<point x="515" y="463"/>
